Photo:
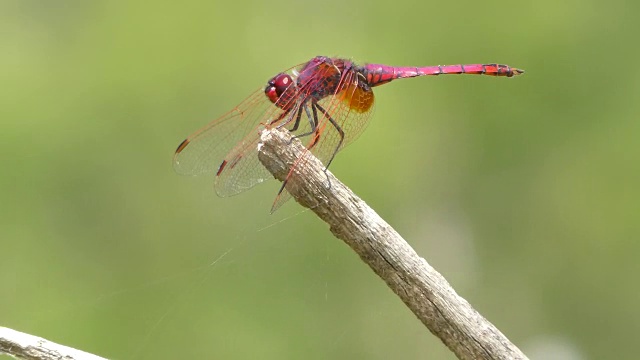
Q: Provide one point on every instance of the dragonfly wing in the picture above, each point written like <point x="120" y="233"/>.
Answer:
<point x="228" y="146"/>
<point x="203" y="151"/>
<point x="241" y="169"/>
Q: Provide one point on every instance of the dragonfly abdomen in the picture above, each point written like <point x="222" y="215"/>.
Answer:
<point x="377" y="74"/>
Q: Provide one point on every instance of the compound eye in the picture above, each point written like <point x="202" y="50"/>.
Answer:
<point x="277" y="86"/>
<point x="271" y="93"/>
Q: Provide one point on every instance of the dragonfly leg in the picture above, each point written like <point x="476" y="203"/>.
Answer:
<point x="280" y="117"/>
<point x="340" y="132"/>
<point x="313" y="122"/>
<point x="282" y="187"/>
<point x="316" y="138"/>
<point x="295" y="125"/>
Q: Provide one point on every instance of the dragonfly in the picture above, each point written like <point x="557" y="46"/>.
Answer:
<point x="325" y="102"/>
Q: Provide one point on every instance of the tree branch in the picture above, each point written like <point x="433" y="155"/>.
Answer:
<point x="25" y="346"/>
<point x="429" y="296"/>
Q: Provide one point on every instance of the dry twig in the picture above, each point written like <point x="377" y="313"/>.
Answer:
<point x="29" y="347"/>
<point x="447" y="315"/>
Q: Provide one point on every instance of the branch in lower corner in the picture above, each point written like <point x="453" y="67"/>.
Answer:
<point x="24" y="346"/>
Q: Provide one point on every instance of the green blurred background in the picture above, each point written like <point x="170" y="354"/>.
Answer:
<point x="522" y="192"/>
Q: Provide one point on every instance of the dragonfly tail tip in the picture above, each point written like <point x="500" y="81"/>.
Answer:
<point x="517" y="71"/>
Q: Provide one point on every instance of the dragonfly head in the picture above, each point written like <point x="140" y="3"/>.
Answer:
<point x="277" y="86"/>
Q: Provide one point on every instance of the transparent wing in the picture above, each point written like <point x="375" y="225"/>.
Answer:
<point x="204" y="150"/>
<point x="228" y="145"/>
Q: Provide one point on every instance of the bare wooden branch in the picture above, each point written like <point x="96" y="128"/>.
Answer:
<point x="447" y="315"/>
<point x="25" y="346"/>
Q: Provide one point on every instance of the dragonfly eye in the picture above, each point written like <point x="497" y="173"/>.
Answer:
<point x="277" y="86"/>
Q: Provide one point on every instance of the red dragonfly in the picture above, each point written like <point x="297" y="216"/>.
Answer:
<point x="326" y="101"/>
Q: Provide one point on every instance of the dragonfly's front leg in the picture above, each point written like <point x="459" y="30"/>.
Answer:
<point x="313" y="122"/>
<point x="283" y="115"/>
